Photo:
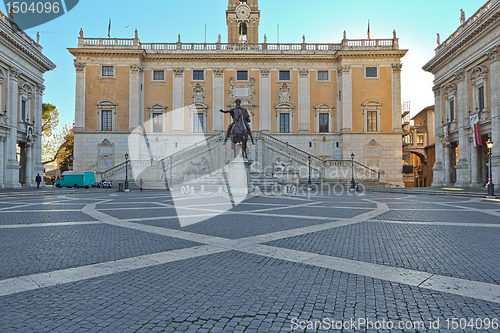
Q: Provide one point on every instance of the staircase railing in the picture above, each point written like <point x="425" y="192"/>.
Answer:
<point x="291" y="149"/>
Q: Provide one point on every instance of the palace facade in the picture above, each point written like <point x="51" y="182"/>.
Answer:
<point x="326" y="100"/>
<point x="22" y="66"/>
<point x="467" y="90"/>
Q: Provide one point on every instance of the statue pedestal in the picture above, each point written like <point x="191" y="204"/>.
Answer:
<point x="238" y="175"/>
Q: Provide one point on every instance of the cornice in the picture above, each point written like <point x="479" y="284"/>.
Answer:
<point x="29" y="51"/>
<point x="466" y="37"/>
<point x="371" y="54"/>
<point x="79" y="52"/>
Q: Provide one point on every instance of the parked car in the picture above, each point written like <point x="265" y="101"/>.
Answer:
<point x="104" y="184"/>
<point x="76" y="179"/>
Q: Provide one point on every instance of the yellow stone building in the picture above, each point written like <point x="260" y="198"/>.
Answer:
<point x="324" y="100"/>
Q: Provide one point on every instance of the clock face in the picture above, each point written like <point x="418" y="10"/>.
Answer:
<point x="243" y="12"/>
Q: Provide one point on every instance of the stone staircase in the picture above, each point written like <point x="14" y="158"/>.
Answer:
<point x="210" y="155"/>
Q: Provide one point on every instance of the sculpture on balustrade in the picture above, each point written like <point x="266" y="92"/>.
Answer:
<point x="198" y="168"/>
<point x="438" y="39"/>
<point x="81" y="33"/>
<point x="462" y="16"/>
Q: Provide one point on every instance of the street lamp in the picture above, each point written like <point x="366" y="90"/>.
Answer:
<point x="491" y="186"/>
<point x="309" y="158"/>
<point x="353" y="183"/>
<point x="126" y="171"/>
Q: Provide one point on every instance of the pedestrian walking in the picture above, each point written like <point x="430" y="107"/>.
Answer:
<point x="53" y="180"/>
<point x="141" y="183"/>
<point x="38" y="180"/>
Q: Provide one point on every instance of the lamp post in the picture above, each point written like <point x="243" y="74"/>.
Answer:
<point x="491" y="186"/>
<point x="353" y="183"/>
<point x="309" y="182"/>
<point x="126" y="171"/>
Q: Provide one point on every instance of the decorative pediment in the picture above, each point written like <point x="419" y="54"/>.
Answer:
<point x="157" y="107"/>
<point x="324" y="106"/>
<point x="450" y="89"/>
<point x="106" y="143"/>
<point x="284" y="105"/>
<point x="25" y="89"/>
<point x="373" y="143"/>
<point x="106" y="102"/>
<point x="371" y="103"/>
<point x="479" y="72"/>
<point x="198" y="106"/>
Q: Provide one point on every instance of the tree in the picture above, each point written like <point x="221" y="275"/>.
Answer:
<point x="50" y="119"/>
<point x="64" y="155"/>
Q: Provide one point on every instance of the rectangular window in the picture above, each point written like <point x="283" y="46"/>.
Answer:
<point x="107" y="70"/>
<point x="159" y="75"/>
<point x="371" y="71"/>
<point x="106" y="120"/>
<point x="420" y="139"/>
<point x="323" y="122"/>
<point x="284" y="75"/>
<point x="371" y="121"/>
<point x="284" y="123"/>
<point x="452" y="110"/>
<point x="242" y="75"/>
<point x="157" y="122"/>
<point x="481" y="98"/>
<point x="322" y="75"/>
<point x="198" y="75"/>
<point x="23" y="110"/>
<point x="198" y="123"/>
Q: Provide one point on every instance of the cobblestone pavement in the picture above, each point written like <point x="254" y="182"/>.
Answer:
<point x="123" y="262"/>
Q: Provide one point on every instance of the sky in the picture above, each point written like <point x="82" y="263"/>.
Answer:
<point x="321" y="21"/>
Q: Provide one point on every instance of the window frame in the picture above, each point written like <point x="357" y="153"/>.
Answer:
<point x="110" y="120"/>
<point x="372" y="106"/>
<point x="193" y="71"/>
<point x="290" y="73"/>
<point x="153" y="79"/>
<point x="318" y="79"/>
<point x="101" y="72"/>
<point x="241" y="71"/>
<point x="106" y="105"/>
<point x="282" y="129"/>
<point x="365" y="73"/>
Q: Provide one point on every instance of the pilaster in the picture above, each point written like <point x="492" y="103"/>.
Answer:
<point x="178" y="99"/>
<point x="438" y="172"/>
<point x="345" y="79"/>
<point x="304" y="101"/>
<point x="396" y="97"/>
<point x="218" y="98"/>
<point x="2" y="161"/>
<point x="462" y="167"/>
<point x="80" y="97"/>
<point x="12" y="167"/>
<point x="493" y="56"/>
<point x="265" y="100"/>
<point x="135" y="96"/>
<point x="37" y="135"/>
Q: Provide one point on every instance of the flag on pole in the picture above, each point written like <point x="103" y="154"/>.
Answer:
<point x="109" y="29"/>
<point x="474" y="122"/>
<point x="368" y="33"/>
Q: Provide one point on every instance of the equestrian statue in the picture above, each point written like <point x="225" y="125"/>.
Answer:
<point x="239" y="130"/>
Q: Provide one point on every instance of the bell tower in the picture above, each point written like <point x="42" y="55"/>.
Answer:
<point x="242" y="17"/>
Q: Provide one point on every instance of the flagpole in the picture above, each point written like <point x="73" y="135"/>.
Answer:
<point x="109" y="28"/>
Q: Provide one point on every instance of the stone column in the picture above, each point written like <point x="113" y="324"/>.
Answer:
<point x="438" y="173"/>
<point x="346" y="98"/>
<point x="218" y="100"/>
<point x="79" y="97"/>
<point x="265" y="100"/>
<point x="2" y="141"/>
<point x="495" y="113"/>
<point x="11" y="178"/>
<point x="396" y="97"/>
<point x="178" y="100"/>
<point x="135" y="96"/>
<point x="30" y="179"/>
<point x="463" y="178"/>
<point x="447" y="166"/>
<point x="474" y="163"/>
<point x="304" y="110"/>
<point x="37" y="136"/>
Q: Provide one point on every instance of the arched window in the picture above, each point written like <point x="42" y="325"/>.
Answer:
<point x="243" y="32"/>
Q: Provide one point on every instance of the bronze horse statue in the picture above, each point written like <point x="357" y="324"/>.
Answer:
<point x="239" y="133"/>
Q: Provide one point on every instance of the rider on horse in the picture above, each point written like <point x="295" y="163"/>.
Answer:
<point x="246" y="119"/>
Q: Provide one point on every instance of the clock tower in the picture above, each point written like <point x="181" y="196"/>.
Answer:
<point x="242" y="18"/>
